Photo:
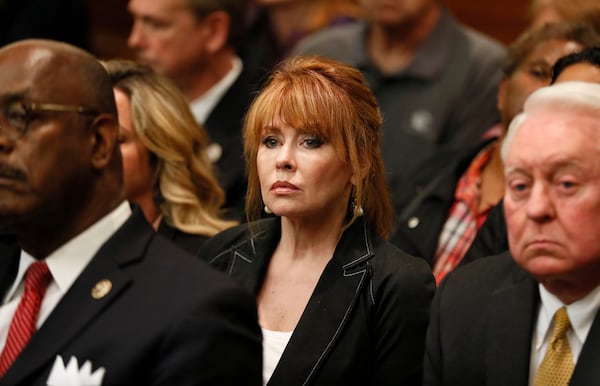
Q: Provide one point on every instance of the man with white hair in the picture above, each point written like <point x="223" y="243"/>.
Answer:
<point x="529" y="316"/>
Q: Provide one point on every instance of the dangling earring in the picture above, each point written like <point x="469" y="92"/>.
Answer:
<point x="358" y="210"/>
<point x="267" y="210"/>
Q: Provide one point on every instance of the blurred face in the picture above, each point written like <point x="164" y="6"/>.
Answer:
<point x="138" y="171"/>
<point x="546" y="14"/>
<point x="552" y="199"/>
<point x="533" y="73"/>
<point x="167" y="36"/>
<point x="397" y="12"/>
<point x="300" y="174"/>
<point x="276" y="2"/>
<point x="584" y="72"/>
<point x="45" y="170"/>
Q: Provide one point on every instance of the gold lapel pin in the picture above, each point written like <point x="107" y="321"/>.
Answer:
<point x="101" y="289"/>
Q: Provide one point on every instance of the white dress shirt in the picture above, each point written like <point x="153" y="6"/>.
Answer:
<point x="65" y="265"/>
<point x="581" y="314"/>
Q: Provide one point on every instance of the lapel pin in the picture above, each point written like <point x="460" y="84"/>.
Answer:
<point x="101" y="289"/>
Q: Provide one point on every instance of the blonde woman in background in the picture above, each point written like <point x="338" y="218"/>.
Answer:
<point x="166" y="171"/>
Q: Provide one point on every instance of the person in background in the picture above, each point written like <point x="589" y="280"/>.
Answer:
<point x="435" y="80"/>
<point x="277" y="26"/>
<point x="530" y="316"/>
<point x="442" y="208"/>
<point x="551" y="11"/>
<point x="194" y="43"/>
<point x="90" y="294"/>
<point x="337" y="303"/>
<point x="166" y="169"/>
<point x="491" y="238"/>
<point x="581" y="66"/>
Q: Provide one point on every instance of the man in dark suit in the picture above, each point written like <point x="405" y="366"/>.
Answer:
<point x="494" y="321"/>
<point x="119" y="304"/>
<point x="193" y="42"/>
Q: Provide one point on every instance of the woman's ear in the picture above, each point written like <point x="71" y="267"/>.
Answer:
<point x="365" y="168"/>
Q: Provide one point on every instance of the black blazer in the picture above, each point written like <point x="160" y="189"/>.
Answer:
<point x="482" y="320"/>
<point x="365" y="321"/>
<point x="168" y="320"/>
<point x="188" y="241"/>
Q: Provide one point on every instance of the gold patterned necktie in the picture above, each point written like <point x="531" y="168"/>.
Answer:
<point x="557" y="366"/>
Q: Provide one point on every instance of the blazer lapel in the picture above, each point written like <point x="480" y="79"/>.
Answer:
<point x="78" y="307"/>
<point x="508" y="343"/>
<point x="328" y="309"/>
<point x="586" y="369"/>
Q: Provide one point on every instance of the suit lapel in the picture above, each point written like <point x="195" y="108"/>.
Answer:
<point x="586" y="370"/>
<point x="508" y="342"/>
<point x="9" y="262"/>
<point x="328" y="309"/>
<point x="78" y="308"/>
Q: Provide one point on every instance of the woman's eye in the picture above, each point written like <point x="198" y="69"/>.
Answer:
<point x="269" y="142"/>
<point x="313" y="142"/>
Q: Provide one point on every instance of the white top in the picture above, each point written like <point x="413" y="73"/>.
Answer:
<point x="581" y="314"/>
<point x="274" y="342"/>
<point x="65" y="265"/>
<point x="202" y="106"/>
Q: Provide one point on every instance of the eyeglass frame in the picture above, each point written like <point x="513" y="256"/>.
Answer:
<point x="52" y="107"/>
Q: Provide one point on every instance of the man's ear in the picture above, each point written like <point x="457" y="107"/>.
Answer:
<point x="105" y="131"/>
<point x="216" y="28"/>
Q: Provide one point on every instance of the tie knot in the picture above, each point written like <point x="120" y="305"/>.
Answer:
<point x="561" y="323"/>
<point x="37" y="277"/>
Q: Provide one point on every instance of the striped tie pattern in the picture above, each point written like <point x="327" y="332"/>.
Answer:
<point x="23" y="324"/>
<point x="557" y="367"/>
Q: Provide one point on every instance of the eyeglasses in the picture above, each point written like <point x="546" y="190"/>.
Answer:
<point x="16" y="116"/>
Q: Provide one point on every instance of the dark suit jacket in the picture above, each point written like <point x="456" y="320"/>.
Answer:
<point x="482" y="319"/>
<point x="188" y="241"/>
<point x="168" y="320"/>
<point x="365" y="321"/>
<point x="421" y="205"/>
<point x="224" y="127"/>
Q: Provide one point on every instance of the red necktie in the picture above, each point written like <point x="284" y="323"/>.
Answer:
<point x="23" y="324"/>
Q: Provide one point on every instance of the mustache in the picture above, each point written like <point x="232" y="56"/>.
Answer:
<point x="11" y="172"/>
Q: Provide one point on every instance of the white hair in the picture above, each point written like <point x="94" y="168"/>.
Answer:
<point x="567" y="97"/>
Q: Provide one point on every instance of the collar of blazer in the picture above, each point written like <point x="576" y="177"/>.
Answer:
<point x="330" y="305"/>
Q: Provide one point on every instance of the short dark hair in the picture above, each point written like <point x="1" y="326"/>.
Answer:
<point x="579" y="32"/>
<point x="236" y="9"/>
<point x="590" y="55"/>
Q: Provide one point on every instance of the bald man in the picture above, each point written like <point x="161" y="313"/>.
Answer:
<point x="109" y="291"/>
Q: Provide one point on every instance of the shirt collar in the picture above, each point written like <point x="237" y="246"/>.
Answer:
<point x="581" y="313"/>
<point x="202" y="106"/>
<point x="69" y="260"/>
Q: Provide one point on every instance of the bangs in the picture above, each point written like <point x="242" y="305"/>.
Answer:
<point x="305" y="103"/>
